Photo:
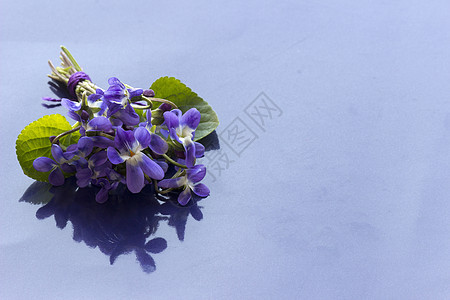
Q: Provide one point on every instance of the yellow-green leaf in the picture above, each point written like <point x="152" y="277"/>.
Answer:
<point x="34" y="142"/>
<point x="172" y="89"/>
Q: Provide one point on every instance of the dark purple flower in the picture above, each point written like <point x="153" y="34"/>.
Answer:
<point x="190" y="183"/>
<point x="165" y="107"/>
<point x="127" y="115"/>
<point x="73" y="107"/>
<point x="115" y="101"/>
<point x="102" y="142"/>
<point x="128" y="146"/>
<point x="96" y="124"/>
<point x="182" y="129"/>
<point x="117" y="98"/>
<point x="95" y="167"/>
<point x="83" y="148"/>
<point x="134" y="93"/>
<point x="101" y="104"/>
<point x="97" y="96"/>
<point x="116" y="91"/>
<point x="157" y="144"/>
<point x="88" y="168"/>
<point x="99" y="123"/>
<point x="149" y="93"/>
<point x="56" y="166"/>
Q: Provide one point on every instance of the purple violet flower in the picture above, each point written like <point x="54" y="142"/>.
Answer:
<point x="73" y="107"/>
<point x="102" y="142"/>
<point x="157" y="143"/>
<point x="190" y="183"/>
<point x="128" y="146"/>
<point x="117" y="99"/>
<point x="182" y="129"/>
<point x="95" y="124"/>
<point x="95" y="167"/>
<point x="102" y="104"/>
<point x="45" y="164"/>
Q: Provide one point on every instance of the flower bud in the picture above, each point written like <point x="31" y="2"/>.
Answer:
<point x="165" y="107"/>
<point x="84" y="115"/>
<point x="149" y="93"/>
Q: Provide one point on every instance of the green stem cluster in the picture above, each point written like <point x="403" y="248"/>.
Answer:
<point x="70" y="66"/>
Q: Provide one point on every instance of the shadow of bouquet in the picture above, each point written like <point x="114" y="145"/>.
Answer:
<point x="126" y="223"/>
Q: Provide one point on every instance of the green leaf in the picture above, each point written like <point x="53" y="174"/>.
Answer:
<point x="34" y="142"/>
<point x="172" y="89"/>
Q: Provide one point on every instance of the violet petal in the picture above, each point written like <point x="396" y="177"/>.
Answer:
<point x="184" y="196"/>
<point x="56" y="177"/>
<point x="171" y="183"/>
<point x="114" y="156"/>
<point x="151" y="168"/>
<point x="201" y="190"/>
<point x="158" y="144"/>
<point x="43" y="164"/>
<point x="191" y="118"/>
<point x="142" y="136"/>
<point x="135" y="178"/>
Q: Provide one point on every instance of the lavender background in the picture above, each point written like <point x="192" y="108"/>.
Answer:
<point x="344" y="196"/>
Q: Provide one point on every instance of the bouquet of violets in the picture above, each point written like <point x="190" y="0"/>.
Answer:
<point x="120" y="134"/>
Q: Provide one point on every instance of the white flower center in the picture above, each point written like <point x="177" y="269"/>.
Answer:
<point x="135" y="159"/>
<point x="185" y="134"/>
<point x="133" y="153"/>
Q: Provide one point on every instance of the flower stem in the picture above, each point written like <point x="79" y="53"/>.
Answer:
<point x="173" y="162"/>
<point x="64" y="134"/>
<point x="67" y="62"/>
<point x="86" y="86"/>
<point x="105" y="135"/>
<point x="56" y="73"/>
<point x="165" y="191"/>
<point x="164" y="101"/>
<point x="177" y="173"/>
<point x="142" y="98"/>
<point x="148" y="178"/>
<point x="72" y="60"/>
